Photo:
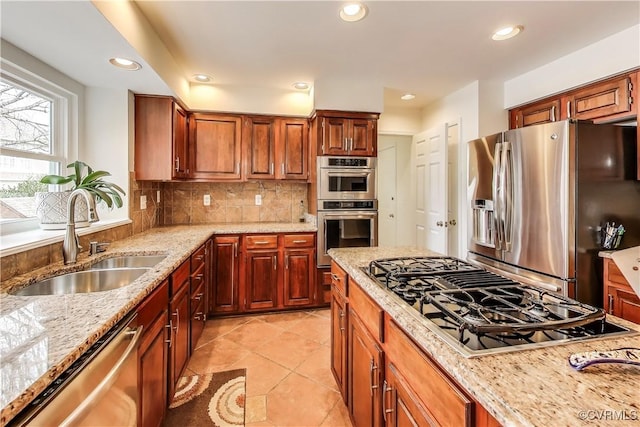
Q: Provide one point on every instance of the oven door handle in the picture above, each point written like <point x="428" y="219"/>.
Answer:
<point x="345" y="173"/>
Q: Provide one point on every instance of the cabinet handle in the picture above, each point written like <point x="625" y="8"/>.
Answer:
<point x="237" y="167"/>
<point x="197" y="297"/>
<point x="199" y="257"/>
<point x="199" y="316"/>
<point x="235" y="249"/>
<point x="282" y="169"/>
<point x="335" y="277"/>
<point x="552" y="114"/>
<point x="177" y="164"/>
<point x="199" y="277"/>
<point x="341" y="321"/>
<point x="261" y="242"/>
<point x="350" y="144"/>
<point x="286" y="262"/>
<point x="275" y="262"/>
<point x="610" y="304"/>
<point x="299" y="241"/>
<point x="170" y="326"/>
<point x="372" y="368"/>
<point x="386" y="389"/>
<point x="568" y="109"/>
<point x="271" y="169"/>
<point x="177" y="314"/>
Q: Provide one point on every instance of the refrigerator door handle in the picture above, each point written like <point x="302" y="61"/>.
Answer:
<point x="497" y="194"/>
<point x="507" y="193"/>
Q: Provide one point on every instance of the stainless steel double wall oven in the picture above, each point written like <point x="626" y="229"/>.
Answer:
<point x="347" y="205"/>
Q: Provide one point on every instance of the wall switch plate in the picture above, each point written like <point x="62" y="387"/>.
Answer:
<point x="258" y="199"/>
<point x="143" y="202"/>
<point x="207" y="200"/>
<point x="158" y="196"/>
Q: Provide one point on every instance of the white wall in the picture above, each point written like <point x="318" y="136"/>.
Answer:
<point x="612" y="55"/>
<point x="348" y="95"/>
<point x="105" y="145"/>
<point x="405" y="204"/>
<point x="400" y="121"/>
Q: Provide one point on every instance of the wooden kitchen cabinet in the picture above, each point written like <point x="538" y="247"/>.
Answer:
<point x="620" y="299"/>
<point x="534" y="114"/>
<point x="215" y="142"/>
<point x="179" y="321"/>
<point x="161" y="152"/>
<point x="198" y="285"/>
<point x="400" y="405"/>
<point x="364" y="374"/>
<point x="259" y="136"/>
<point x="342" y="133"/>
<point x="261" y="272"/>
<point x="299" y="274"/>
<point x="225" y="282"/>
<point x="339" y="319"/>
<point x="292" y="149"/>
<point x="153" y="356"/>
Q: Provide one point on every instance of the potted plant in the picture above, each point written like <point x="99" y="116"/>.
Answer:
<point x="51" y="207"/>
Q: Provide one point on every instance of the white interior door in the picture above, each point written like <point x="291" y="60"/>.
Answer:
<point x="387" y="197"/>
<point x="453" y="216"/>
<point x="420" y="143"/>
<point x="437" y="190"/>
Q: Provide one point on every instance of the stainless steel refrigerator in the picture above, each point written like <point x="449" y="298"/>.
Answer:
<point x="537" y="196"/>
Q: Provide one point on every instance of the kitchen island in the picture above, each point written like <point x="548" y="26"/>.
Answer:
<point x="532" y="387"/>
<point x="41" y="336"/>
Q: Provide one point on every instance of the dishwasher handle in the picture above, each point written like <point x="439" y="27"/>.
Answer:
<point x="109" y="379"/>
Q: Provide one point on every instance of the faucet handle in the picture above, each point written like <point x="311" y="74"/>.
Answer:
<point x="97" y="247"/>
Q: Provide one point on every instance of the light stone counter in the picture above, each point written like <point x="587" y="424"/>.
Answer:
<point x="40" y="336"/>
<point x="533" y="387"/>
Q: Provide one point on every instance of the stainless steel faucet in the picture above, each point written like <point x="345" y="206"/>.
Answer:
<point x="71" y="245"/>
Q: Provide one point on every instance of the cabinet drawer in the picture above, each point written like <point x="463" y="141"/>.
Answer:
<point x="197" y="297"/>
<point x="442" y="398"/>
<point x="299" y="240"/>
<point x="180" y="278"/>
<point x="339" y="278"/>
<point x="153" y="305"/>
<point x="264" y="241"/>
<point x="197" y="258"/>
<point x="368" y="311"/>
<point x="197" y="277"/>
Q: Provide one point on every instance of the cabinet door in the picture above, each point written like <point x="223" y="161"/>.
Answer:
<point x="334" y="136"/>
<point x="299" y="280"/>
<point x="362" y="137"/>
<point x="179" y="319"/>
<point x="215" y="142"/>
<point x="223" y="293"/>
<point x="259" y="137"/>
<point x="180" y="143"/>
<point x="292" y="149"/>
<point x="364" y="375"/>
<point x="542" y="112"/>
<point x="400" y="405"/>
<point x="339" y="329"/>
<point x="198" y="317"/>
<point x="153" y="357"/>
<point x="626" y="304"/>
<point x="261" y="279"/>
<point x="612" y="97"/>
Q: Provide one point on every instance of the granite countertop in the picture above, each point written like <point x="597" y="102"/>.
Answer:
<point x="41" y="336"/>
<point x="532" y="387"/>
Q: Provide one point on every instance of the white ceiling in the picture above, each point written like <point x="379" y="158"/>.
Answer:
<point x="425" y="47"/>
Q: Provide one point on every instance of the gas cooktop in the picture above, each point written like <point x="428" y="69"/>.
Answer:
<point x="479" y="312"/>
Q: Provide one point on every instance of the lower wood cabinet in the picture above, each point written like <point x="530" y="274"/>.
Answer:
<point x="620" y="299"/>
<point x="263" y="272"/>
<point x="153" y="356"/>
<point x="179" y="321"/>
<point x="389" y="380"/>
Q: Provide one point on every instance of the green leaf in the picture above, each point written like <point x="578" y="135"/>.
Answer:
<point x="94" y="176"/>
<point x="55" y="179"/>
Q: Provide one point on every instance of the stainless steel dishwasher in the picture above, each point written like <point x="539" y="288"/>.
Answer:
<point x="99" y="389"/>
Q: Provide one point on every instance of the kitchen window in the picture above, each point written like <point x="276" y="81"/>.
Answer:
<point x="33" y="142"/>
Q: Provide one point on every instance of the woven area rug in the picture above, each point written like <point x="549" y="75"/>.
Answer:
<point x="209" y="400"/>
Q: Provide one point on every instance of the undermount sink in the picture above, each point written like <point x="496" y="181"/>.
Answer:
<point x="83" y="282"/>
<point x="129" y="261"/>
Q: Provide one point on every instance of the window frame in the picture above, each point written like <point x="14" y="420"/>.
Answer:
<point x="64" y="128"/>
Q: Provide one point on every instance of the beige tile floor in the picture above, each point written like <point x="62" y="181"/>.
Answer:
<point x="287" y="357"/>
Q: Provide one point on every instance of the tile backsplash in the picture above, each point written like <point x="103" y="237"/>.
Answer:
<point x="183" y="202"/>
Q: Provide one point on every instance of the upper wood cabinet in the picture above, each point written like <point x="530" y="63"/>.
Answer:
<point x="215" y="146"/>
<point x="619" y="297"/>
<point x="259" y="134"/>
<point x="343" y="133"/>
<point x="160" y="139"/>
<point x="613" y="99"/>
<point x="292" y="149"/>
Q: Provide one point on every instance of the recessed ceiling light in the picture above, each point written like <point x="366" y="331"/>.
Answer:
<point x="301" y="85"/>
<point x="507" y="32"/>
<point x="202" y="78"/>
<point x="408" y="97"/>
<point x="353" y="12"/>
<point x="125" y="64"/>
